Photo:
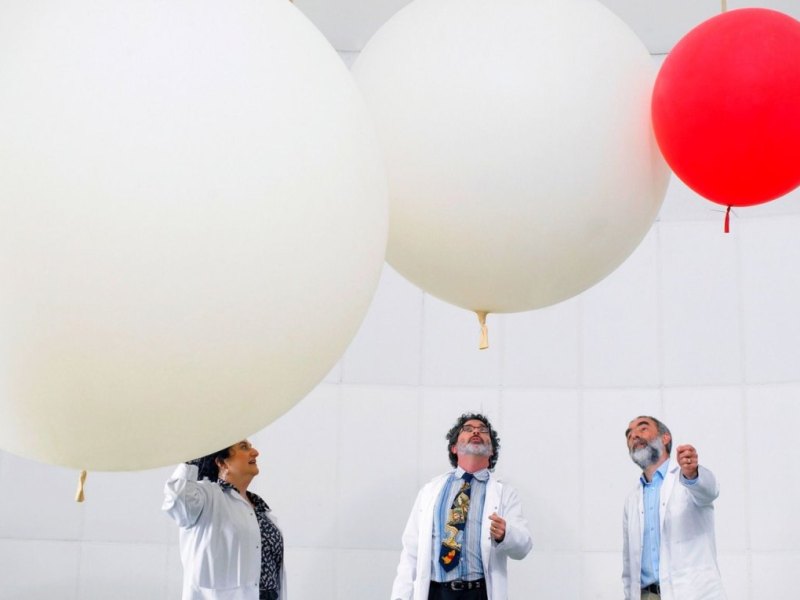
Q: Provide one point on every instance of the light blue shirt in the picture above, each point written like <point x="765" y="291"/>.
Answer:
<point x="470" y="565"/>
<point x="651" y="540"/>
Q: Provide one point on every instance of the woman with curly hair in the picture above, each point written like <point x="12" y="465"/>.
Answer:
<point x="231" y="548"/>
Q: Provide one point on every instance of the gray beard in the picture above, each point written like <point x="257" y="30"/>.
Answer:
<point x="475" y="449"/>
<point x="649" y="455"/>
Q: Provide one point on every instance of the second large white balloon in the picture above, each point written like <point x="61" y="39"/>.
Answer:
<point x="517" y="137"/>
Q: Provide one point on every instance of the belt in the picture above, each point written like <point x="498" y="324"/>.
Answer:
<point x="653" y="588"/>
<point x="458" y="586"/>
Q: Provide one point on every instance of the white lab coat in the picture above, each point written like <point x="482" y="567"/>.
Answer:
<point x="687" y="555"/>
<point x="414" y="571"/>
<point x="220" y="539"/>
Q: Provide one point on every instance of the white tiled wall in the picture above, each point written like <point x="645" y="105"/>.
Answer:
<point x="700" y="304"/>
<point x="542" y="347"/>
<point x="770" y="279"/>
<point x="621" y="323"/>
<point x="39" y="568"/>
<point x="123" y="571"/>
<point x="698" y="327"/>
<point x="772" y="491"/>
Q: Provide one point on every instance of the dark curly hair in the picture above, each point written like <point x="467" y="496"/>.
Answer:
<point x="455" y="430"/>
<point x="207" y="465"/>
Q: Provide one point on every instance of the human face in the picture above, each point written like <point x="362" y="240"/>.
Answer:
<point x="473" y="442"/>
<point x="241" y="461"/>
<point x="641" y="432"/>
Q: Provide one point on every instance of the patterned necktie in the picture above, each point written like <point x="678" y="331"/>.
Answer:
<point x="457" y="519"/>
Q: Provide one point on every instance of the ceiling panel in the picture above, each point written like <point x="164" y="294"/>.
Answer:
<point x="349" y="24"/>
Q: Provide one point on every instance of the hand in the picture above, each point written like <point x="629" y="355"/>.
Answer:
<point x="498" y="527"/>
<point x="687" y="460"/>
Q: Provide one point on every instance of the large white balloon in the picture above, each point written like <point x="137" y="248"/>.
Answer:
<point x="522" y="167"/>
<point x="193" y="218"/>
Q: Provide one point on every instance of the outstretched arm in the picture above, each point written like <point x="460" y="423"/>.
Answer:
<point x="699" y="481"/>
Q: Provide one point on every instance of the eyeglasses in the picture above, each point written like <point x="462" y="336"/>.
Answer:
<point x="472" y="429"/>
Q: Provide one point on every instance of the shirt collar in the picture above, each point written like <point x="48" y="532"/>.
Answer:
<point x="482" y="475"/>
<point x="258" y="503"/>
<point x="660" y="473"/>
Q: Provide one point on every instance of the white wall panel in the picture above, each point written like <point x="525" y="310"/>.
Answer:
<point x="39" y="570"/>
<point x="364" y="574"/>
<point x="386" y="349"/>
<point x="700" y="304"/>
<point x="620" y="323"/>
<point x="541" y="445"/>
<point x="774" y="491"/>
<point x="601" y="575"/>
<point x="126" y="507"/>
<point x="311" y="573"/>
<point x="545" y="576"/>
<point x="774" y="573"/>
<point x="377" y="457"/>
<point x="770" y="284"/>
<point x="542" y="347"/>
<point x="122" y="571"/>
<point x="38" y="501"/>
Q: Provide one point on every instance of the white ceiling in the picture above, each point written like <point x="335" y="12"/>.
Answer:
<point x="349" y="24"/>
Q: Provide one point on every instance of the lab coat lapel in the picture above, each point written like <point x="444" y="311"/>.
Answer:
<point x="666" y="490"/>
<point x="491" y="504"/>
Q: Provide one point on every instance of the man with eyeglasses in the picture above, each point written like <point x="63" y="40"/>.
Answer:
<point x="669" y="551"/>
<point x="464" y="525"/>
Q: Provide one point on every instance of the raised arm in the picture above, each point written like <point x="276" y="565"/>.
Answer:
<point x="184" y="498"/>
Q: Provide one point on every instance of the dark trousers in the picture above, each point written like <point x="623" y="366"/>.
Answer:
<point x="441" y="593"/>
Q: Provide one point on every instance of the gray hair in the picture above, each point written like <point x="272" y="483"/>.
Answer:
<point x="662" y="429"/>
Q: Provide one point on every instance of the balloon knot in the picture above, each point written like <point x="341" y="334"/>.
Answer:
<point x="484" y="341"/>
<point x="79" y="497"/>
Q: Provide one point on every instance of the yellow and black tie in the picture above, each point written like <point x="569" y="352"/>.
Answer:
<point x="457" y="520"/>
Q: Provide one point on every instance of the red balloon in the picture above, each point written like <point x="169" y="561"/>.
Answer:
<point x="726" y="107"/>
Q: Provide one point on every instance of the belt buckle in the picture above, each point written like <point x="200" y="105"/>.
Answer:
<point x="457" y="586"/>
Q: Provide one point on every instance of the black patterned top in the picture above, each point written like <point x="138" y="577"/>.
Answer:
<point x="271" y="546"/>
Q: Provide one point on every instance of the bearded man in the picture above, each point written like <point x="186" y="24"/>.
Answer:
<point x="464" y="525"/>
<point x="669" y="550"/>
